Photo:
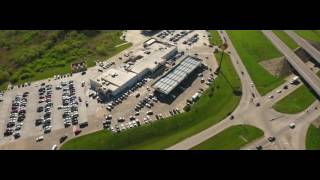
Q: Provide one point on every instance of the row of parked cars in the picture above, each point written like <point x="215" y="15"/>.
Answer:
<point x="69" y="104"/>
<point x="56" y="77"/>
<point x="191" y="40"/>
<point x="112" y="104"/>
<point x="1" y="96"/>
<point x="17" y="115"/>
<point x="45" y="94"/>
<point x="148" y="102"/>
<point x="165" y="33"/>
<point x="177" y="37"/>
<point x="124" y="126"/>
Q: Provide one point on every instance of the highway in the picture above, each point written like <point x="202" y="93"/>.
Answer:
<point x="312" y="51"/>
<point x="311" y="78"/>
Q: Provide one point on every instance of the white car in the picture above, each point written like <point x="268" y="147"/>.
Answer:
<point x="292" y="125"/>
<point x="270" y="97"/>
<point x="278" y="91"/>
<point x="54" y="147"/>
<point x="40" y="138"/>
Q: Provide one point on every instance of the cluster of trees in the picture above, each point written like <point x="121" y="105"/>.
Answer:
<point x="50" y="49"/>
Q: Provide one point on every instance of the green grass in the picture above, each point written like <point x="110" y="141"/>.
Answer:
<point x="313" y="138"/>
<point x="299" y="100"/>
<point x="295" y="102"/>
<point x="311" y="35"/>
<point x="254" y="47"/>
<point x="232" y="138"/>
<point x="216" y="103"/>
<point x="28" y="55"/>
<point x="215" y="39"/>
<point x="286" y="39"/>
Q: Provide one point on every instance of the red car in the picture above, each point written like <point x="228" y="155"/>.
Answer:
<point x="76" y="130"/>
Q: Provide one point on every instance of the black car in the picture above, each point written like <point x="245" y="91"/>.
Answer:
<point x="259" y="147"/>
<point x="83" y="125"/>
<point x="38" y="122"/>
<point x="271" y="139"/>
<point x="63" y="138"/>
<point x="40" y="109"/>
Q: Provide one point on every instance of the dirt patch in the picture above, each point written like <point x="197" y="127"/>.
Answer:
<point x="280" y="67"/>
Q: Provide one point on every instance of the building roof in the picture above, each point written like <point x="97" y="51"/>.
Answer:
<point x="152" y="61"/>
<point x="114" y="78"/>
<point x="175" y="76"/>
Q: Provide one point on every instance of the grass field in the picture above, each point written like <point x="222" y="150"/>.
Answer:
<point x="311" y="35"/>
<point x="254" y="47"/>
<point x="232" y="138"/>
<point x="313" y="138"/>
<point x="286" y="39"/>
<point x="297" y="101"/>
<point x="215" y="38"/>
<point x="216" y="103"/>
<point x="28" y="55"/>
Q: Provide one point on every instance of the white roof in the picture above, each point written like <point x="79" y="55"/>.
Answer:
<point x="114" y="78"/>
<point x="152" y="61"/>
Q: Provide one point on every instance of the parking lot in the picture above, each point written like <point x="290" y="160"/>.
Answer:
<point x="80" y="108"/>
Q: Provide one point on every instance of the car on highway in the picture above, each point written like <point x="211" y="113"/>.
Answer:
<point x="259" y="147"/>
<point x="292" y="125"/>
<point x="271" y="97"/>
<point x="271" y="139"/>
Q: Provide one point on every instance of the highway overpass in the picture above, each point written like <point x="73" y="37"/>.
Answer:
<point x="312" y="51"/>
<point x="310" y="77"/>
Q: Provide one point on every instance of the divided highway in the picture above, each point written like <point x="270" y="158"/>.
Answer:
<point x="295" y="61"/>
<point x="305" y="45"/>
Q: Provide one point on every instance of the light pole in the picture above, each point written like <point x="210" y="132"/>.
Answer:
<point x="220" y="63"/>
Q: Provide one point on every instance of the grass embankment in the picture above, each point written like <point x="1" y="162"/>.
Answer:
<point x="232" y="138"/>
<point x="311" y="35"/>
<point x="286" y="39"/>
<point x="253" y="47"/>
<point x="216" y="103"/>
<point x="28" y="55"/>
<point x="215" y="38"/>
<point x="313" y="138"/>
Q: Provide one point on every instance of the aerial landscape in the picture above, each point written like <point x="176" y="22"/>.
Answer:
<point x="159" y="89"/>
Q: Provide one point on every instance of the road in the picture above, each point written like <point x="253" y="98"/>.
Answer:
<point x="244" y="105"/>
<point x="312" y="51"/>
<point x="264" y="117"/>
<point x="311" y="78"/>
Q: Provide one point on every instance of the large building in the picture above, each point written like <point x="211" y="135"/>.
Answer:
<point x="114" y="81"/>
<point x="169" y="81"/>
